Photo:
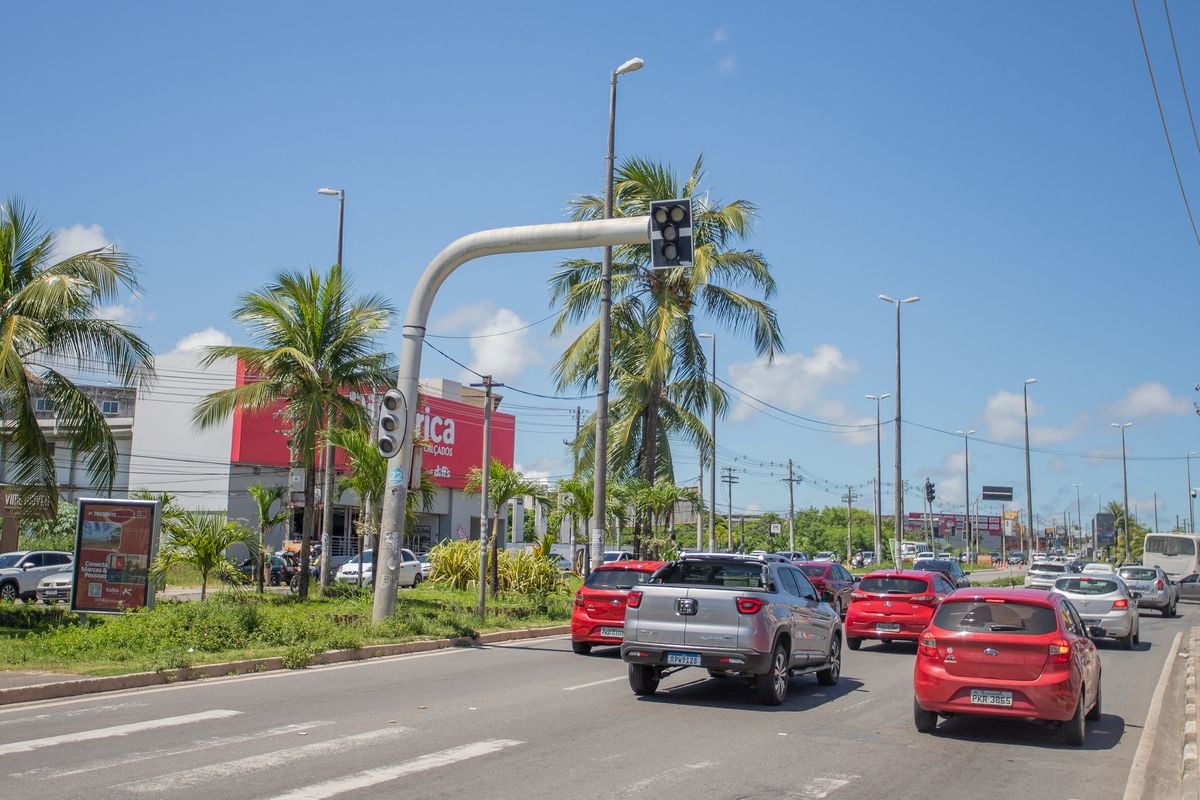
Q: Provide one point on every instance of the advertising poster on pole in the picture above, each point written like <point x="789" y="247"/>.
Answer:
<point x="115" y="541"/>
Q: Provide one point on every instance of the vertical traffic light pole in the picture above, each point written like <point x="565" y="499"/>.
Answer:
<point x="524" y="239"/>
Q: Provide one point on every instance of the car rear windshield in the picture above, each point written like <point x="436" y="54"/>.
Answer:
<point x="1048" y="566"/>
<point x="1085" y="586"/>
<point x="894" y="585"/>
<point x="1139" y="574"/>
<point x="1005" y="617"/>
<point x="932" y="565"/>
<point x="813" y="571"/>
<point x="616" y="578"/>
<point x="728" y="574"/>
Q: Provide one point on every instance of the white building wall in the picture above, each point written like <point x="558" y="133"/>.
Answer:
<point x="169" y="453"/>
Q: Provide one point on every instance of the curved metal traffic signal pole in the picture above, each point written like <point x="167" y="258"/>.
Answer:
<point x="523" y="239"/>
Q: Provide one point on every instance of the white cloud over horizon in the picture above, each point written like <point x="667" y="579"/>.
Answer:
<point x="1004" y="419"/>
<point x="503" y="350"/>
<point x="199" y="340"/>
<point x="78" y="239"/>
<point x="1149" y="400"/>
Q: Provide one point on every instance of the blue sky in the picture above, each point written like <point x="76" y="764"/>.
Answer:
<point x="1003" y="161"/>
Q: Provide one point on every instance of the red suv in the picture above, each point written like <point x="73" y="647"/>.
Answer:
<point x="826" y="575"/>
<point x="1007" y="653"/>
<point x="894" y="604"/>
<point x="599" y="613"/>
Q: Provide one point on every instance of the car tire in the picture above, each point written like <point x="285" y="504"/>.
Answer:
<point x="1166" y="612"/>
<point x="1073" y="729"/>
<point x="854" y="643"/>
<point x="416" y="580"/>
<point x="9" y="592"/>
<point x="643" y="679"/>
<point x="581" y="648"/>
<point x="1126" y="641"/>
<point x="772" y="685"/>
<point x="926" y="721"/>
<point x="1094" y="713"/>
<point x="829" y="676"/>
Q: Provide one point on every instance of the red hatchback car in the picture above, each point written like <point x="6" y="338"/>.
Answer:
<point x="1007" y="653"/>
<point x="599" y="613"/>
<point x="894" y="604"/>
<point x="826" y="575"/>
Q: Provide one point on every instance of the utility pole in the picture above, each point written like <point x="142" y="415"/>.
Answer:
<point x="700" y="508"/>
<point x="1156" y="512"/>
<point x="742" y="534"/>
<point x="791" y="482"/>
<point x="849" y="498"/>
<point x="1191" y="495"/>
<point x="729" y="479"/>
<point x="485" y="503"/>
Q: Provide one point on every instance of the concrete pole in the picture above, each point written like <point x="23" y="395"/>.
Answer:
<point x="524" y="239"/>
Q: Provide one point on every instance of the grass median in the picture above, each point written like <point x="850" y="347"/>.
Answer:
<point x="236" y="625"/>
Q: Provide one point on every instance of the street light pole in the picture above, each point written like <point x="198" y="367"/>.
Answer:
<point x="327" y="488"/>
<point x="1125" y="484"/>
<point x="600" y="477"/>
<point x="712" y="432"/>
<point x="878" y="478"/>
<point x="899" y="526"/>
<point x="1079" y="512"/>
<point x="1191" y="496"/>
<point x="1028" y="481"/>
<point x="971" y="544"/>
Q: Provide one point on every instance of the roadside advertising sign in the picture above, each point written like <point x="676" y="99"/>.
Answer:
<point x="115" y="541"/>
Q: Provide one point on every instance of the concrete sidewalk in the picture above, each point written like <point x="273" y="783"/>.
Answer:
<point x="24" y="686"/>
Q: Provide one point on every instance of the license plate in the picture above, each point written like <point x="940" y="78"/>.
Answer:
<point x="684" y="659"/>
<point x="613" y="633"/>
<point x="890" y="627"/>
<point x="987" y="698"/>
<point x="1092" y="623"/>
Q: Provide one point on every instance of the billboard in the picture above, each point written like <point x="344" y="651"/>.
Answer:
<point x="1106" y="529"/>
<point x="115" y="542"/>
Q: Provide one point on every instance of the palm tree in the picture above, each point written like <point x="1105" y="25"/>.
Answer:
<point x="264" y="497"/>
<point x="574" y="503"/>
<point x="49" y="319"/>
<point x="316" y="341"/>
<point x="504" y="484"/>
<point x="202" y="541"/>
<point x="653" y="312"/>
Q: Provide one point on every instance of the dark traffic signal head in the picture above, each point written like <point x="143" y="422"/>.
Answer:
<point x="393" y="417"/>
<point x="671" y="233"/>
<point x="929" y="493"/>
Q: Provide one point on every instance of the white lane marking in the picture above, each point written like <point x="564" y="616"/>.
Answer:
<point x="373" y="777"/>
<point x="859" y="704"/>
<point x="202" y="744"/>
<point x="115" y="730"/>
<point x="822" y="786"/>
<point x="593" y="683"/>
<point x="243" y="766"/>
<point x="76" y="713"/>
<point x="638" y="788"/>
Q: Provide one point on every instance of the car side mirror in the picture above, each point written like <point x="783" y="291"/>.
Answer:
<point x="1096" y="632"/>
<point x="27" y="566"/>
<point x="826" y="596"/>
<point x="1135" y="595"/>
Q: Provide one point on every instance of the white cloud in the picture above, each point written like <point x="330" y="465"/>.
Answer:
<point x="720" y="35"/>
<point x="727" y="64"/>
<point x="1150" y="399"/>
<point x="78" y="239"/>
<point x="505" y="347"/>
<point x="795" y="382"/>
<point x="1004" y="419"/>
<point x="199" y="340"/>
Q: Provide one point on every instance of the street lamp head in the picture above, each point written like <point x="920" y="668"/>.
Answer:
<point x="1030" y="380"/>
<point x="885" y="396"/>
<point x="1119" y="425"/>
<point x="887" y="299"/>
<point x="632" y="65"/>
<point x="707" y="335"/>
<point x="965" y="434"/>
<point x="328" y="191"/>
<point x="912" y="299"/>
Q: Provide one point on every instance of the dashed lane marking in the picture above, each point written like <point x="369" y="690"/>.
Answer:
<point x="115" y="730"/>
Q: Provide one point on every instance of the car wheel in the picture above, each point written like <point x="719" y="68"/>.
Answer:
<point x="8" y="592"/>
<point x="829" y="676"/>
<point x="926" y="721"/>
<point x="1127" y="641"/>
<point x="772" y="685"/>
<point x="1166" y="612"/>
<point x="416" y="580"/>
<point x="854" y="643"/>
<point x="581" y="648"/>
<point x="1094" y="714"/>
<point x="643" y="679"/>
<point x="1073" y="729"/>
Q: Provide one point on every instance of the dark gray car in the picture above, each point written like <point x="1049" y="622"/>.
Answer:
<point x="950" y="569"/>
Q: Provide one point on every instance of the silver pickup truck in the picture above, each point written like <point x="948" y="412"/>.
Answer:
<point x="733" y="615"/>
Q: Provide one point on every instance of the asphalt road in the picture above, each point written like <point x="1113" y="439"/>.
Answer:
<point x="532" y="720"/>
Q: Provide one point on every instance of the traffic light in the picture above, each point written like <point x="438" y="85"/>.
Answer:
<point x="393" y="417"/>
<point x="929" y="494"/>
<point x="671" y="233"/>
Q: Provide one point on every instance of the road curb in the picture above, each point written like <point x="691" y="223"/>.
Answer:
<point x="1136" y="784"/>
<point x="73" y="687"/>
<point x="1191" y="780"/>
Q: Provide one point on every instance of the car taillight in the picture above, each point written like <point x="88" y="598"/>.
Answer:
<point x="923" y="599"/>
<point x="749" y="605"/>
<point x="1120" y="604"/>
<point x="578" y="600"/>
<point x="1158" y="584"/>
<point x="1058" y="652"/>
<point x="634" y="600"/>
<point x="928" y="648"/>
<point x="859" y="596"/>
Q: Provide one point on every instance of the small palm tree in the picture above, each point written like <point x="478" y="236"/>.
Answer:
<point x="264" y="497"/>
<point x="504" y="484"/>
<point x="316" y="341"/>
<point x="50" y="318"/>
<point x="202" y="541"/>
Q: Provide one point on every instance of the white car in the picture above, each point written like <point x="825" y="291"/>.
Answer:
<point x="1043" y="574"/>
<point x="21" y="570"/>
<point x="1098" y="568"/>
<point x="1103" y="601"/>
<point x="409" y="573"/>
<point x="55" y="588"/>
<point x="923" y="555"/>
<point x="824" y="555"/>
